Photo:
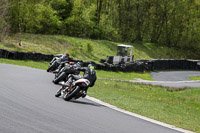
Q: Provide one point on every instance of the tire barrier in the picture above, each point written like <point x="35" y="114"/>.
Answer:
<point x="151" y="65"/>
<point x="137" y="66"/>
<point x="25" y="55"/>
<point x="173" y="64"/>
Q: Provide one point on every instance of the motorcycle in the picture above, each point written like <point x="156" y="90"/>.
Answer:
<point x="76" y="90"/>
<point x="68" y="68"/>
<point x="56" y="61"/>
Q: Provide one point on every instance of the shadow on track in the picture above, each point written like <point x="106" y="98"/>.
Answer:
<point x="86" y="103"/>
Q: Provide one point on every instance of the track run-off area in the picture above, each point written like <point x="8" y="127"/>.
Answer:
<point x="28" y="105"/>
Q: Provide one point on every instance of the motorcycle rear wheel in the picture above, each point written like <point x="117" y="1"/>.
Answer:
<point x="69" y="96"/>
<point x="60" y="78"/>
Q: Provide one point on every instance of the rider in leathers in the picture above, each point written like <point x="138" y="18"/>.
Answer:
<point x="89" y="74"/>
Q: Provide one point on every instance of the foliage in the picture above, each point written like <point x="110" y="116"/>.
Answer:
<point x="34" y="17"/>
<point x="4" y="20"/>
<point x="164" y="22"/>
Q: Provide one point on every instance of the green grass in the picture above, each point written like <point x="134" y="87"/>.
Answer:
<point x="123" y="75"/>
<point x="179" y="108"/>
<point x="85" y="49"/>
<point x="34" y="64"/>
<point x="195" y="78"/>
<point x="57" y="44"/>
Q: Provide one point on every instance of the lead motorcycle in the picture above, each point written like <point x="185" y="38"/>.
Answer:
<point x="56" y="61"/>
<point x="76" y="90"/>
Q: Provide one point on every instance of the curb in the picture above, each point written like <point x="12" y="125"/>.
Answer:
<point x="138" y="116"/>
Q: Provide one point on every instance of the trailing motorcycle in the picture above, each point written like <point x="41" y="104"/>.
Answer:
<point x="76" y="90"/>
<point x="68" y="68"/>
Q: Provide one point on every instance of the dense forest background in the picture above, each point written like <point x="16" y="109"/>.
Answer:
<point x="172" y="23"/>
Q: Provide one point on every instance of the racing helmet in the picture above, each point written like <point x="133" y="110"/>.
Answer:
<point x="91" y="66"/>
<point x="66" y="54"/>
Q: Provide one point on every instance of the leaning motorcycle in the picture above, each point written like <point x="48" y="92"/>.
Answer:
<point x="54" y="64"/>
<point x="65" y="71"/>
<point x="73" y="91"/>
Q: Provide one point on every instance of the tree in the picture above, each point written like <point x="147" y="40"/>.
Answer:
<point x="34" y="17"/>
<point x="4" y="20"/>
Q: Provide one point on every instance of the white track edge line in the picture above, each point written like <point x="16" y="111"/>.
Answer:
<point x="138" y="116"/>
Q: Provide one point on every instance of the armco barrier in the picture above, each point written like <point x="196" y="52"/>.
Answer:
<point x="151" y="65"/>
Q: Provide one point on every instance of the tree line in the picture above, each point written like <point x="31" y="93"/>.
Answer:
<point x="173" y="23"/>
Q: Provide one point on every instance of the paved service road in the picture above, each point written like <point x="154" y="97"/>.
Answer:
<point x="28" y="105"/>
<point x="175" y="78"/>
<point x="174" y="75"/>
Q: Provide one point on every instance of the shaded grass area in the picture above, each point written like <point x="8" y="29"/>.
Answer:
<point x="179" y="108"/>
<point x="175" y="106"/>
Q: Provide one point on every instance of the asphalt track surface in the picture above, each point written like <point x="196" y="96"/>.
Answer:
<point x="28" y="105"/>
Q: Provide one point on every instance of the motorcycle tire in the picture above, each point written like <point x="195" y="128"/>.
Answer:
<point x="60" y="78"/>
<point x="50" y="68"/>
<point x="69" y="96"/>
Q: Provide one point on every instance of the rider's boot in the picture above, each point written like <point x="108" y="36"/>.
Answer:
<point x="69" y="82"/>
<point x="84" y="93"/>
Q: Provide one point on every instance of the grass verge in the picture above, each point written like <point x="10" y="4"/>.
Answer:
<point x="179" y="107"/>
<point x="195" y="78"/>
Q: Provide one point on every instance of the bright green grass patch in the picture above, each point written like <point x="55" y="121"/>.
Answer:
<point x="195" y="78"/>
<point x="34" y="64"/>
<point x="123" y="75"/>
<point x="179" y="108"/>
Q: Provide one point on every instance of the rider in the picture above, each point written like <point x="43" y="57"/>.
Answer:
<point x="64" y="59"/>
<point x="89" y="74"/>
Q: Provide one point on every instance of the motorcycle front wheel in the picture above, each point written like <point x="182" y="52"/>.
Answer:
<point x="51" y="67"/>
<point x="58" y="93"/>
<point x="70" y="95"/>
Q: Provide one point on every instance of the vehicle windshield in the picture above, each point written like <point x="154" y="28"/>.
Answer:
<point x="123" y="51"/>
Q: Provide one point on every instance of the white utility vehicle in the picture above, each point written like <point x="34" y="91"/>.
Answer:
<point x="124" y="55"/>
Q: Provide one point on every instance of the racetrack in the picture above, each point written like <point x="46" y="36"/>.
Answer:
<point x="28" y="105"/>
